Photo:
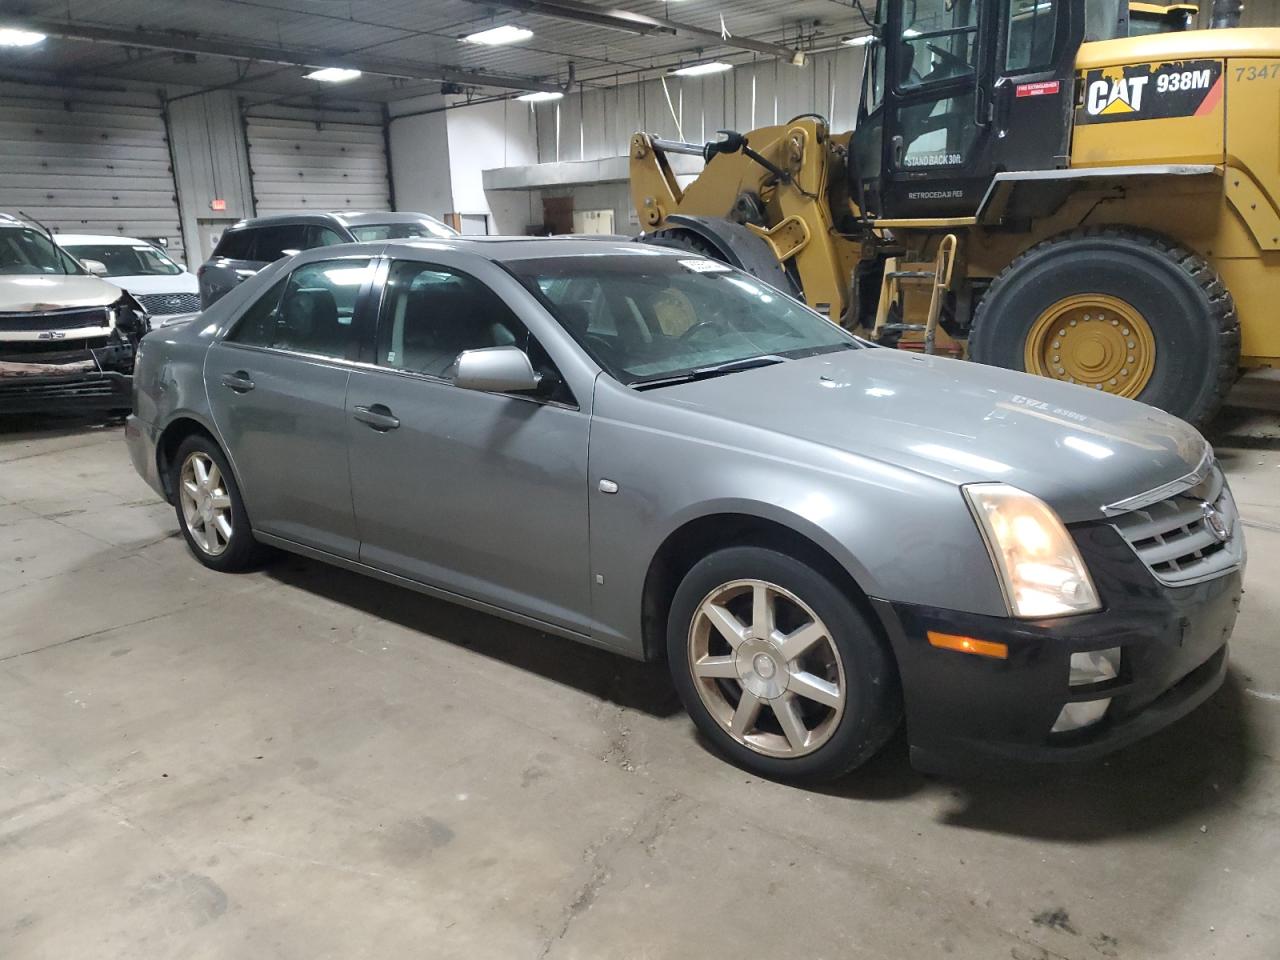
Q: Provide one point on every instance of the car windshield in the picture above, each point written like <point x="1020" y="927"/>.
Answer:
<point x="650" y="319"/>
<point x="126" y="260"/>
<point x="402" y="231"/>
<point x="25" y="250"/>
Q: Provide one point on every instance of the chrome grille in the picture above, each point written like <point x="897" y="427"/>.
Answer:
<point x="158" y="304"/>
<point x="1176" y="537"/>
<point x="73" y="319"/>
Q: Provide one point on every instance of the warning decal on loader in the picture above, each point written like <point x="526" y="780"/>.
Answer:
<point x="1150" y="91"/>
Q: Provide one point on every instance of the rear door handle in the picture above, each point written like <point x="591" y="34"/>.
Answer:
<point x="378" y="417"/>
<point x="239" y="381"/>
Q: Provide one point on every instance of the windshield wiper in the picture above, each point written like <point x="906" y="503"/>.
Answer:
<point x="717" y="370"/>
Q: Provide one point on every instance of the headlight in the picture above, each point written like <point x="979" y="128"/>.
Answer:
<point x="1039" y="566"/>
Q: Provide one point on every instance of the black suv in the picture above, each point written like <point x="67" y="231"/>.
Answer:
<point x="252" y="244"/>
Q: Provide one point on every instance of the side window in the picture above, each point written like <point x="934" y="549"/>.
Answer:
<point x="257" y="325"/>
<point x="430" y="314"/>
<point x="1032" y="24"/>
<point x="235" y="245"/>
<point x="939" y="42"/>
<point x="312" y="311"/>
<point x="282" y="241"/>
<point x="318" y="236"/>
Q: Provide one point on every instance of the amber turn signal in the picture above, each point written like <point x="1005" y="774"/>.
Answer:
<point x="981" y="648"/>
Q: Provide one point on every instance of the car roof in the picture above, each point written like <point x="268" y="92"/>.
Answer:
<point x="9" y="220"/>
<point x="345" y="218"/>
<point x="493" y="249"/>
<point x="508" y="249"/>
<point x="104" y="239"/>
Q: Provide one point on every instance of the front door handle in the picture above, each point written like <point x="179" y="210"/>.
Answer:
<point x="239" y="381"/>
<point x="378" y="417"/>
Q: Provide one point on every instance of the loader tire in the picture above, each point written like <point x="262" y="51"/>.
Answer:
<point x="1121" y="310"/>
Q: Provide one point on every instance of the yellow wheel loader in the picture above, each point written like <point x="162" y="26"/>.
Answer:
<point x="1019" y="190"/>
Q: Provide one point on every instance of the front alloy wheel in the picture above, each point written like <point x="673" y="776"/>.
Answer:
<point x="766" y="668"/>
<point x="778" y="666"/>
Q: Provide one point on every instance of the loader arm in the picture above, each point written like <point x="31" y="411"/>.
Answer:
<point x="776" y="185"/>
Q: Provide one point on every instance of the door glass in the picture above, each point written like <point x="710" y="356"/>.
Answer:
<point x="937" y="133"/>
<point x="1032" y="24"/>
<point x="315" y="313"/>
<point x="939" y="42"/>
<point x="430" y="314"/>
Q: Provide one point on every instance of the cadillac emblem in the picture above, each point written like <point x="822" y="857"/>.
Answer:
<point x="1214" y="521"/>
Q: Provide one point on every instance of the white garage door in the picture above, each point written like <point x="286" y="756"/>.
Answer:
<point x="88" y="162"/>
<point x="320" y="165"/>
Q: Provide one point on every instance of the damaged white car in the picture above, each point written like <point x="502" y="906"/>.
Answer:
<point x="67" y="339"/>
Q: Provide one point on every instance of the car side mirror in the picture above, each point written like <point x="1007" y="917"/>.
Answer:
<point x="496" y="370"/>
<point x="95" y="267"/>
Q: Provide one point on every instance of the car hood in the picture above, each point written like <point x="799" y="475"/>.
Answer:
<point x="147" y="284"/>
<point x="33" y="293"/>
<point x="960" y="422"/>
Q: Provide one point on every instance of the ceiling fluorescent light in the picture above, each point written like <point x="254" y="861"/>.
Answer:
<point x="702" y="69"/>
<point x="499" y="35"/>
<point x="333" y="74"/>
<point x="9" y="37"/>
<point x="542" y="96"/>
<point x="857" y="41"/>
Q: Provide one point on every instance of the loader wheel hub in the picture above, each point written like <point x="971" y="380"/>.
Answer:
<point x="1093" y="339"/>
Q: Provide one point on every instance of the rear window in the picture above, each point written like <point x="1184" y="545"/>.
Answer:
<point x="235" y="245"/>
<point x="282" y="241"/>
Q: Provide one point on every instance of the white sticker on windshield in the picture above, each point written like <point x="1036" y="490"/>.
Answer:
<point x="704" y="266"/>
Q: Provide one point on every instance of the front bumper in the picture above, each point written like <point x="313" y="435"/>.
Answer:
<point x="89" y="391"/>
<point x="965" y="711"/>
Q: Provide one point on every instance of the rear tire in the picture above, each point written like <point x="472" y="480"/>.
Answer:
<point x="1171" y="295"/>
<point x="807" y="693"/>
<point x="211" y="512"/>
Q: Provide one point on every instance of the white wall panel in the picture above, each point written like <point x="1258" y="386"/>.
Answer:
<point x="300" y="162"/>
<point x="828" y="84"/>
<point x="88" y="162"/>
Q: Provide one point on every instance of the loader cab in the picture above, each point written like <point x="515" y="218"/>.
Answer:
<point x="955" y="91"/>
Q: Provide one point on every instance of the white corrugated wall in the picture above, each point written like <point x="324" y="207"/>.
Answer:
<point x="304" y="160"/>
<point x="88" y="161"/>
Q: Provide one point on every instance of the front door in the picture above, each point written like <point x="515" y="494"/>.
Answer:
<point x="277" y="386"/>
<point x="958" y="91"/>
<point x="481" y="494"/>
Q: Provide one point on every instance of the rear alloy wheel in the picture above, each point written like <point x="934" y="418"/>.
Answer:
<point x="210" y="511"/>
<point x="778" y="667"/>
<point x="205" y="503"/>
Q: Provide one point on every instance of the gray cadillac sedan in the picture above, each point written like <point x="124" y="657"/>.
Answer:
<point x="651" y="452"/>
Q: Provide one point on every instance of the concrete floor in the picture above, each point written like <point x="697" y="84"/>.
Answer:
<point x="301" y="763"/>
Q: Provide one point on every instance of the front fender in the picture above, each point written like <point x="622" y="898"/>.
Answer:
<point x="901" y="535"/>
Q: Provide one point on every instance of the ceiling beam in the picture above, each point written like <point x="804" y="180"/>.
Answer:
<point x="641" y="24"/>
<point x="180" y="42"/>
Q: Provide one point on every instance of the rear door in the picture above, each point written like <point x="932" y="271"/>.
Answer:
<point x="277" y="386"/>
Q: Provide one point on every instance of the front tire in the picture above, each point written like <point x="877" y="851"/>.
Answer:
<point x="778" y="668"/>
<point x="211" y="512"/>
<point x="1118" y="310"/>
